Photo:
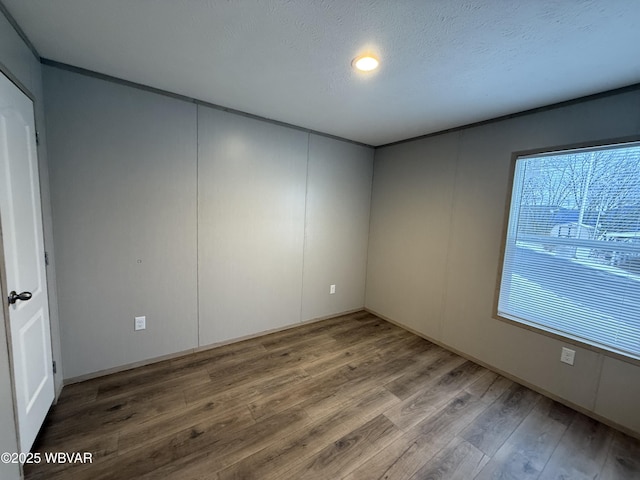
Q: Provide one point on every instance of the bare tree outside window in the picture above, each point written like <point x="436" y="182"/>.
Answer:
<point x="572" y="256"/>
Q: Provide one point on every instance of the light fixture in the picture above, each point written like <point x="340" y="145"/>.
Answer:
<point x="365" y="63"/>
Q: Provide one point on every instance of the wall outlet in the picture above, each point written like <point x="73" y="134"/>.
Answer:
<point x="140" y="323"/>
<point x="332" y="289"/>
<point x="567" y="355"/>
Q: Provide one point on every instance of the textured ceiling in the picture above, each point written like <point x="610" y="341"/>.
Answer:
<point x="445" y="63"/>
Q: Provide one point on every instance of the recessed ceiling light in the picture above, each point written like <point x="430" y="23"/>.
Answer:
<point x="365" y="63"/>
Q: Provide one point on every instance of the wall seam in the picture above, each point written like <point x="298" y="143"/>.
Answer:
<point x="366" y="265"/>
<point x="596" y="392"/>
<point x="445" y="295"/>
<point x="304" y="228"/>
<point x="198" y="224"/>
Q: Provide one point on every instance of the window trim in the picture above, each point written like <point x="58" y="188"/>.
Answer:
<point x="534" y="327"/>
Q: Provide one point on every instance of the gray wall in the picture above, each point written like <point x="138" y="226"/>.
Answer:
<point x="123" y="181"/>
<point x="196" y="218"/>
<point x="17" y="60"/>
<point x="438" y="212"/>
<point x="337" y="227"/>
<point x="251" y="189"/>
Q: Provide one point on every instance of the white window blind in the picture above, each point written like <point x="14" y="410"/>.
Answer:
<point x="572" y="254"/>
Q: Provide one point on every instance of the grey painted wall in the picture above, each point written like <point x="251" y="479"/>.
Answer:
<point x="410" y="231"/>
<point x="438" y="212"/>
<point x="21" y="64"/>
<point x="123" y="182"/>
<point x="212" y="203"/>
<point x="337" y="226"/>
<point x="251" y="189"/>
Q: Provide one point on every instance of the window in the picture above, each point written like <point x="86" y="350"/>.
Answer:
<point x="572" y="254"/>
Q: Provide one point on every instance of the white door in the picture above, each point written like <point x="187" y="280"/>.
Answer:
<point x="20" y="213"/>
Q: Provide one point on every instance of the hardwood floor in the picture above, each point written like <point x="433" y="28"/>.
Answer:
<point x="352" y="398"/>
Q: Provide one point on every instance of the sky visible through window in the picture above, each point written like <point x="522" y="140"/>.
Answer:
<point x="572" y="256"/>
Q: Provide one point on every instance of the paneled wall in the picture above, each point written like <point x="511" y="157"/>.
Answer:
<point x="337" y="226"/>
<point x="410" y="231"/>
<point x="195" y="218"/>
<point x="251" y="185"/>
<point x="438" y="212"/>
<point x="123" y="182"/>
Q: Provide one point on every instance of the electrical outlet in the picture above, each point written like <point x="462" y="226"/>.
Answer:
<point x="140" y="323"/>
<point x="567" y="355"/>
<point x="332" y="289"/>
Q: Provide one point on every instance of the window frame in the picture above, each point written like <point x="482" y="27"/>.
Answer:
<point x="511" y="191"/>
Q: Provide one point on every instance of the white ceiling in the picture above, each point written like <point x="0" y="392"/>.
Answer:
<point x="445" y="63"/>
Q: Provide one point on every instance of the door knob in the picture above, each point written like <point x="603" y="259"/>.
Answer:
<point x="14" y="297"/>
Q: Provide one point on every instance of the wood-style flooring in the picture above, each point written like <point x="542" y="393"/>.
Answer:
<point x="353" y="398"/>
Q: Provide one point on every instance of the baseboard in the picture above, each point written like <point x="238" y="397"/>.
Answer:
<point x="535" y="388"/>
<point x="182" y="353"/>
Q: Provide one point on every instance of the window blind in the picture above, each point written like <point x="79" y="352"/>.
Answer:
<point x="572" y="252"/>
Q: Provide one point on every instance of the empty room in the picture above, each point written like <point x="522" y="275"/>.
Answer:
<point x="320" y="239"/>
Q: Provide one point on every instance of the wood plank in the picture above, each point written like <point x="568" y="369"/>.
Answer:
<point x="366" y="347"/>
<point x="332" y="326"/>
<point x="296" y="341"/>
<point x="272" y="361"/>
<point x="526" y="452"/>
<point x="434" y="395"/>
<point x="377" y="328"/>
<point x="195" y="443"/>
<point x="335" y="386"/>
<point x="112" y="415"/>
<point x="273" y="461"/>
<point x="458" y="460"/>
<point x="392" y="362"/>
<point x="489" y="387"/>
<point x="129" y="381"/>
<point x="348" y="452"/>
<point x="490" y="430"/>
<point x="204" y="463"/>
<point x="406" y="455"/>
<point x="312" y="389"/>
<point x="562" y="413"/>
<point x="77" y="394"/>
<point x="412" y="381"/>
<point x="362" y="377"/>
<point x="582" y="451"/>
<point x="623" y="460"/>
<point x="247" y="390"/>
<point x="358" y="384"/>
<point x="118" y="404"/>
<point x="219" y="357"/>
<point x="229" y="416"/>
